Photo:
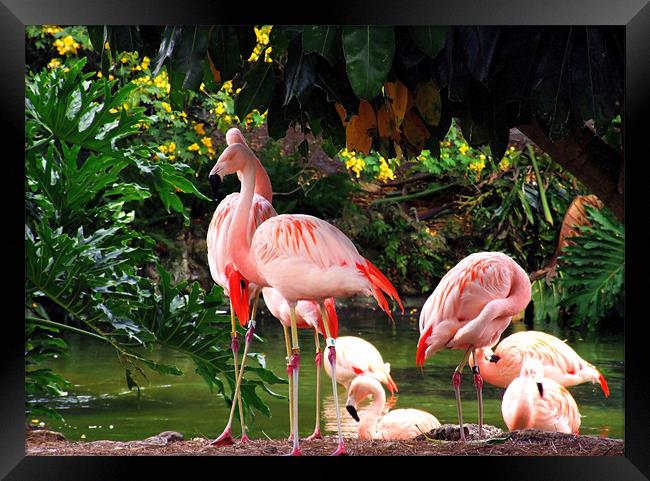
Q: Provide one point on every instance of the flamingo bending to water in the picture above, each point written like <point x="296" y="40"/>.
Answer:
<point x="396" y="424"/>
<point x="560" y="362"/>
<point x="303" y="257"/>
<point x="469" y="309"/>
<point x="355" y="357"/>
<point x="222" y="268"/>
<point x="533" y="401"/>
<point x="307" y="316"/>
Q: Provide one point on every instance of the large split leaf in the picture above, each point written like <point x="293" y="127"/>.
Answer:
<point x="368" y="54"/>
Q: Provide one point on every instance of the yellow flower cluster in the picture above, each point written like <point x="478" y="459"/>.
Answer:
<point x="227" y="87"/>
<point x="463" y="149"/>
<point x="167" y="107"/>
<point x="207" y="141"/>
<point x="352" y="162"/>
<point x="142" y="66"/>
<point x="199" y="128"/>
<point x="262" y="35"/>
<point x="385" y="172"/>
<point x="477" y="167"/>
<point x="143" y="81"/>
<point x="54" y="63"/>
<point x="67" y="45"/>
<point x="162" y="82"/>
<point x="51" y="29"/>
<point x="220" y="109"/>
<point x="168" y="150"/>
<point x="194" y="147"/>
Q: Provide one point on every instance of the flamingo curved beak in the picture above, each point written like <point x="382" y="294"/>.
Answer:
<point x="215" y="182"/>
<point x="353" y="412"/>
<point x="540" y="388"/>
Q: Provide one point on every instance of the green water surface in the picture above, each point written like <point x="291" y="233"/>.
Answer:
<point x="99" y="405"/>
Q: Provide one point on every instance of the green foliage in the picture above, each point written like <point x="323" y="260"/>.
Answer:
<point x="85" y="259"/>
<point x="593" y="268"/>
<point x="368" y="54"/>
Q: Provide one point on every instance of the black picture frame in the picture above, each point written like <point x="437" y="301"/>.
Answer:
<point x="633" y="14"/>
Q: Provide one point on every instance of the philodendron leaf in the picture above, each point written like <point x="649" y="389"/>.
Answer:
<point x="257" y="91"/>
<point x="368" y="55"/>
<point x="430" y="40"/>
<point x="322" y="39"/>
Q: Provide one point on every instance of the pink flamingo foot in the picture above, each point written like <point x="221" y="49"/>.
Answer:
<point x="225" y="439"/>
<point x="319" y="359"/>
<point x="315" y="435"/>
<point x="295" y="452"/>
<point x="245" y="439"/>
<point x="340" y="450"/>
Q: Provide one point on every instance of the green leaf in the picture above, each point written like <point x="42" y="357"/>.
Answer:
<point x="369" y="55"/>
<point x="224" y="51"/>
<point x="430" y="40"/>
<point x="257" y="90"/>
<point x="325" y="40"/>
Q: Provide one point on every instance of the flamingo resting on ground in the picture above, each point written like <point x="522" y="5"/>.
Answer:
<point x="397" y="424"/>
<point x="561" y="363"/>
<point x="303" y="257"/>
<point x="222" y="268"/>
<point x="533" y="401"/>
<point x="355" y="357"/>
<point x="307" y="316"/>
<point x="469" y="309"/>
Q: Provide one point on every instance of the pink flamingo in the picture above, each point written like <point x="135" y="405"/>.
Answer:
<point x="560" y="362"/>
<point x="469" y="309"/>
<point x="307" y="316"/>
<point x="396" y="424"/>
<point x="355" y="357"/>
<point x="222" y="268"/>
<point x="303" y="257"/>
<point x="533" y="401"/>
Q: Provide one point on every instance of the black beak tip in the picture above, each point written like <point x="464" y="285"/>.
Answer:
<point x="353" y="412"/>
<point x="494" y="358"/>
<point x="215" y="181"/>
<point x="540" y="388"/>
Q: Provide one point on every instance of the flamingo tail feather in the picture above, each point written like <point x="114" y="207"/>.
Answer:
<point x="238" y="287"/>
<point x="603" y="385"/>
<point x="380" y="285"/>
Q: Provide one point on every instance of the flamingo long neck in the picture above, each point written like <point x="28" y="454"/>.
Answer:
<point x="368" y="424"/>
<point x="238" y="232"/>
<point x="263" y="182"/>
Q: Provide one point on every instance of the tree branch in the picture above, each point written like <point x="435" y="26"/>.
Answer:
<point x="591" y="160"/>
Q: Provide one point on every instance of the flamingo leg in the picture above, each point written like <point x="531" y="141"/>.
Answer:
<point x="332" y="359"/>
<point x="455" y="380"/>
<point x="226" y="439"/>
<point x="287" y="342"/>
<point x="295" y="369"/>
<point x="478" y="383"/>
<point x="319" y="360"/>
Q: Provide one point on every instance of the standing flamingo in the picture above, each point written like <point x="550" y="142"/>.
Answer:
<point x="307" y="316"/>
<point x="560" y="362"/>
<point x="222" y="268"/>
<point x="533" y="401"/>
<point x="355" y="357"/>
<point x="397" y="424"/>
<point x="469" y="309"/>
<point x="304" y="258"/>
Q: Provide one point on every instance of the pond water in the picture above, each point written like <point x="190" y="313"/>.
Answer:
<point x="100" y="406"/>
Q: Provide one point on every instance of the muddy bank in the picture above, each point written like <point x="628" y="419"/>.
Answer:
<point x="524" y="443"/>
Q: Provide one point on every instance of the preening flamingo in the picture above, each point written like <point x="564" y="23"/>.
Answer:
<point x="396" y="424"/>
<point x="469" y="309"/>
<point x="222" y="268"/>
<point x="355" y="357"/>
<point x="533" y="401"/>
<point x="303" y="257"/>
<point x="560" y="362"/>
<point x="307" y="316"/>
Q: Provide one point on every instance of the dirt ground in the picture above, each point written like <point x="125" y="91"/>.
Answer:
<point x="523" y="443"/>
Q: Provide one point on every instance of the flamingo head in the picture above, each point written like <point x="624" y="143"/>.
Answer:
<point x="234" y="159"/>
<point x="361" y="388"/>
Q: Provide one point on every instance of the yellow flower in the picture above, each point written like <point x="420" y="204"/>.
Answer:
<point x="227" y="87"/>
<point x="54" y="63"/>
<point x="220" y="109"/>
<point x="207" y="141"/>
<point x="145" y="63"/>
<point x="124" y="59"/>
<point x="356" y="165"/>
<point x="66" y="45"/>
<point x="126" y="105"/>
<point x="52" y="29"/>
<point x="199" y="128"/>
<point x="482" y="157"/>
<point x="385" y="172"/>
<point x="161" y="81"/>
<point x="113" y="110"/>
<point x="477" y="167"/>
<point x="463" y="149"/>
<point x="107" y="46"/>
<point x="111" y="77"/>
<point x="167" y="107"/>
<point x="504" y="164"/>
<point x="172" y="147"/>
<point x="194" y="147"/>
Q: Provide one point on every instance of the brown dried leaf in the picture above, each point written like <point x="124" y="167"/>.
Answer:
<point x="575" y="216"/>
<point x="361" y="129"/>
<point x="384" y="123"/>
<point x="342" y="113"/>
<point x="415" y="130"/>
<point x="399" y="96"/>
<point x="428" y="103"/>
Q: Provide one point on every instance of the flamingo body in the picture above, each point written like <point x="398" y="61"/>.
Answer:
<point x="536" y="402"/>
<point x="307" y="313"/>
<point x="396" y="424"/>
<point x="473" y="304"/>
<point x="560" y="362"/>
<point x="355" y="357"/>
